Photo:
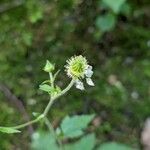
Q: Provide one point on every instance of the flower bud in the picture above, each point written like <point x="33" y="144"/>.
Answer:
<point x="49" y="67"/>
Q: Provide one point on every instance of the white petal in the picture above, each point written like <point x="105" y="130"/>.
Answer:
<point x="79" y="85"/>
<point x="89" y="82"/>
<point x="88" y="71"/>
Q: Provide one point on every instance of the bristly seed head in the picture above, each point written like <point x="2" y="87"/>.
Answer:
<point x="77" y="68"/>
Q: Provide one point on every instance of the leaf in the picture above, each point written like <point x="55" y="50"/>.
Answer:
<point x="36" y="114"/>
<point x="34" y="11"/>
<point x="43" y="141"/>
<point x="8" y="130"/>
<point x="114" y="5"/>
<point x="114" y="146"/>
<point x="106" y="22"/>
<point x="85" y="143"/>
<point x="126" y="9"/>
<point x="46" y="81"/>
<point x="45" y="87"/>
<point x="57" y="90"/>
<point x="73" y="126"/>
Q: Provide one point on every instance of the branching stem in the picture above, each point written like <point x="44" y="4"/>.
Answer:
<point x="46" y="110"/>
<point x="57" y="96"/>
<point x="30" y="122"/>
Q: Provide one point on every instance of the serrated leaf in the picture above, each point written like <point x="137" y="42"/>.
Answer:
<point x="114" y="146"/>
<point x="85" y="143"/>
<point x="45" y="87"/>
<point x="114" y="5"/>
<point x="106" y="22"/>
<point x="73" y="126"/>
<point x="8" y="130"/>
<point x="43" y="141"/>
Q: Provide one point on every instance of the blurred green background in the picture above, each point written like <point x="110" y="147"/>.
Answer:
<point x="115" y="38"/>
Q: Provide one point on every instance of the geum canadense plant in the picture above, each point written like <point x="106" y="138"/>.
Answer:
<point x="77" y="69"/>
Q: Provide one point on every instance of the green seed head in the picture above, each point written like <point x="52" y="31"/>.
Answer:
<point x="76" y="67"/>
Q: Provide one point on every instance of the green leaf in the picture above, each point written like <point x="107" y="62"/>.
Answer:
<point x="57" y="90"/>
<point x="34" y="10"/>
<point x="85" y="143"/>
<point x="45" y="87"/>
<point x="8" y="130"/>
<point x="73" y="126"/>
<point x="36" y="114"/>
<point x="114" y="5"/>
<point x="114" y="146"/>
<point x="106" y="22"/>
<point x="43" y="141"/>
<point x="126" y="9"/>
<point x="46" y="81"/>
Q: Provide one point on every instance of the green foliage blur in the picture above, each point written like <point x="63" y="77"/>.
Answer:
<point x="114" y="36"/>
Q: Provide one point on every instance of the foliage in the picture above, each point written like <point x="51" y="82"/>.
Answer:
<point x="113" y="146"/>
<point x="44" y="140"/>
<point x="116" y="7"/>
<point x="87" y="142"/>
<point x="74" y="126"/>
<point x="8" y="130"/>
<point x="108" y="21"/>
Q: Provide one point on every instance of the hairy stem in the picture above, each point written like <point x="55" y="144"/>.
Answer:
<point x="44" y="114"/>
<point x="51" y="79"/>
<point x="57" y="96"/>
<point x="30" y="122"/>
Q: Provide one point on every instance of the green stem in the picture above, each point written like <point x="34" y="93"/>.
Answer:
<point x="65" y="90"/>
<point x="51" y="101"/>
<point x="51" y="79"/>
<point x="57" y="96"/>
<point x="47" y="107"/>
<point x="30" y="122"/>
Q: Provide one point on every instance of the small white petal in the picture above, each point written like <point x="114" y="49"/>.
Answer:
<point x="88" y="71"/>
<point x="89" y="82"/>
<point x="79" y="85"/>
